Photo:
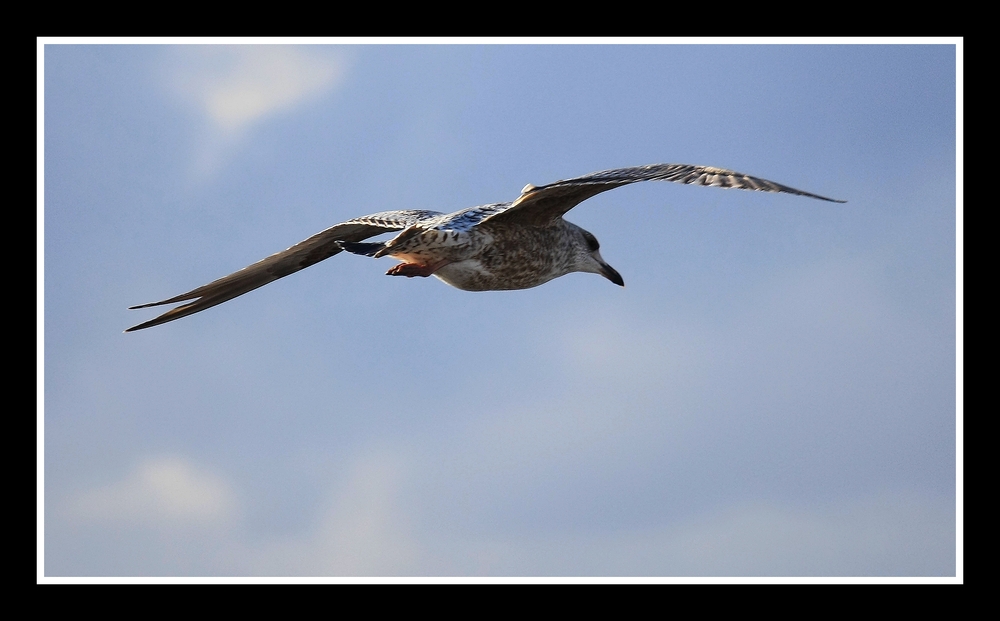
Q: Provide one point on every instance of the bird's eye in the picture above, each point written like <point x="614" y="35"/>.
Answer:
<point x="592" y="243"/>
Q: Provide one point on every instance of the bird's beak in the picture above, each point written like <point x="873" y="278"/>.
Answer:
<point x="612" y="274"/>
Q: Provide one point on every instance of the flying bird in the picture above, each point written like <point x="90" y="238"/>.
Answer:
<point x="495" y="247"/>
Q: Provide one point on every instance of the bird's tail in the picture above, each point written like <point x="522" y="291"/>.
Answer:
<point x="368" y="249"/>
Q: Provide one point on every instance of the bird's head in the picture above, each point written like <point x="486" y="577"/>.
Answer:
<point x="588" y="257"/>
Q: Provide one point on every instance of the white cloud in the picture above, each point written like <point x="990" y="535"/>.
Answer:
<point x="883" y="535"/>
<point x="161" y="491"/>
<point x="235" y="86"/>
<point x="366" y="530"/>
<point x="363" y="531"/>
<point x="890" y="534"/>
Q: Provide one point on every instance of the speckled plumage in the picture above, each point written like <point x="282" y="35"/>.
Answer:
<point x="500" y="246"/>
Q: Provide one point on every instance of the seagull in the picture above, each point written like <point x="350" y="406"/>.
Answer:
<point x="495" y="247"/>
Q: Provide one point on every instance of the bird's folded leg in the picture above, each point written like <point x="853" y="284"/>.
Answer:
<point x="415" y="269"/>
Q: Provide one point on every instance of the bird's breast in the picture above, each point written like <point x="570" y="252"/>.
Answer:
<point x="473" y="275"/>
<point x="510" y="257"/>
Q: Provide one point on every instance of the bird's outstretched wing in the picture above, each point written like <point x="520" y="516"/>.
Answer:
<point x="322" y="245"/>
<point x="543" y="204"/>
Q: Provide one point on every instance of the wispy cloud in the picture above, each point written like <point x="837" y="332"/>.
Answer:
<point x="882" y="535"/>
<point x="236" y="86"/>
<point x="374" y="525"/>
<point x="161" y="491"/>
<point x="364" y="530"/>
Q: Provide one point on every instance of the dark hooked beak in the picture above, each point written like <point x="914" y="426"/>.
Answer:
<point x="611" y="274"/>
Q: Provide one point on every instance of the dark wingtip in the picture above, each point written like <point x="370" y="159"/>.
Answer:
<point x="137" y="326"/>
<point x="173" y="300"/>
<point x="823" y="198"/>
<point x="152" y="322"/>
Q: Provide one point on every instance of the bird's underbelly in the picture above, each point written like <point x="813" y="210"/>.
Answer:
<point x="473" y="275"/>
<point x="494" y="258"/>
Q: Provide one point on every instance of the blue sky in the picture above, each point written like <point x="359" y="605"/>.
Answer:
<point x="772" y="394"/>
